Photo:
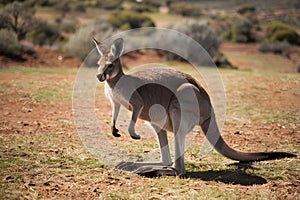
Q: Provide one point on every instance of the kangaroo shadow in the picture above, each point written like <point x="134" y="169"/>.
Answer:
<point x="237" y="175"/>
<point x="228" y="176"/>
<point x="231" y="176"/>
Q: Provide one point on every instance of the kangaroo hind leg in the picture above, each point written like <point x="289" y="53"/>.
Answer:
<point x="163" y="145"/>
<point x="184" y="113"/>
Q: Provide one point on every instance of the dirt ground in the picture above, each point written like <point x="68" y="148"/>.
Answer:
<point x="21" y="117"/>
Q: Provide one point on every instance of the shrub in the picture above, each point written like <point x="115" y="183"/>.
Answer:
<point x="109" y="4"/>
<point x="185" y="9"/>
<point x="79" y="7"/>
<point x="5" y="21"/>
<point x="143" y="8"/>
<point x="278" y="31"/>
<point x="67" y="26"/>
<point x="129" y="20"/>
<point x="80" y="44"/>
<point x="276" y="47"/>
<point x="242" y="31"/>
<point x="64" y="6"/>
<point x="246" y="9"/>
<point x="49" y="3"/>
<point x="298" y="67"/>
<point x="222" y="61"/>
<point x="153" y="3"/>
<point x="9" y="44"/>
<point x="202" y="33"/>
<point x="44" y="34"/>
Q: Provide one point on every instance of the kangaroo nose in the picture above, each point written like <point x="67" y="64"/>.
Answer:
<point x="101" y="77"/>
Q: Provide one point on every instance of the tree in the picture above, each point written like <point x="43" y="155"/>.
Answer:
<point x="17" y="17"/>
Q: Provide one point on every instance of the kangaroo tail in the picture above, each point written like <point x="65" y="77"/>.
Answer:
<point x="213" y="135"/>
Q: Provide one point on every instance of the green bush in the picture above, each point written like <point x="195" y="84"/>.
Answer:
<point x="5" y="21"/>
<point x="153" y="3"/>
<point x="185" y="9"/>
<point x="278" y="31"/>
<point x="143" y="8"/>
<point x="109" y="4"/>
<point x="9" y="44"/>
<point x="44" y="34"/>
<point x="125" y="20"/>
<point x="242" y="32"/>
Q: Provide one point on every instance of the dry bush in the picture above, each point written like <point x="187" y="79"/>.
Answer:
<point x="202" y="33"/>
<point x="9" y="44"/>
<point x="276" y="47"/>
<point x="125" y="20"/>
<point x="80" y="44"/>
<point x="185" y="9"/>
<point x="44" y="33"/>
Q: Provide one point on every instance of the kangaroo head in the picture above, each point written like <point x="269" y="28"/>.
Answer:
<point x="109" y="62"/>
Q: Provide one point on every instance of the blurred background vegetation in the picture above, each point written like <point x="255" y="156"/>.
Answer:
<point x="67" y="26"/>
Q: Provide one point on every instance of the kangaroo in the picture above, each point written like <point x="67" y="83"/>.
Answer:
<point x="173" y="91"/>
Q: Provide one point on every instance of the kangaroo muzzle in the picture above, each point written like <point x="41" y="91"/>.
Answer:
<point x="101" y="77"/>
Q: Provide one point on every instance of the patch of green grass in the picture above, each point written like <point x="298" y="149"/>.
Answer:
<point x="41" y="90"/>
<point x="38" y="71"/>
<point x="263" y="62"/>
<point x="50" y="95"/>
<point x="265" y="115"/>
<point x="248" y="95"/>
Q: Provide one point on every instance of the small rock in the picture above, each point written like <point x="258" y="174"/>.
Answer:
<point x="47" y="183"/>
<point x="9" y="178"/>
<point x="25" y="124"/>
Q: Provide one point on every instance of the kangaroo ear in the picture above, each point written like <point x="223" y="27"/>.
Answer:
<point x="117" y="47"/>
<point x="102" y="48"/>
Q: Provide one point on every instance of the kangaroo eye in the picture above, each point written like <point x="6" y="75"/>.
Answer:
<point x="110" y="66"/>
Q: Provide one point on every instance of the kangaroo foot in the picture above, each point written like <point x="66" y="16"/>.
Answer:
<point x="154" y="171"/>
<point x="115" y="132"/>
<point x="135" y="137"/>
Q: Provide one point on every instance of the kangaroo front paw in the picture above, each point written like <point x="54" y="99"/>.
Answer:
<point x="115" y="132"/>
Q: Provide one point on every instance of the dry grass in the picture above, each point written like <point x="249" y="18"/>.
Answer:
<point x="42" y="156"/>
